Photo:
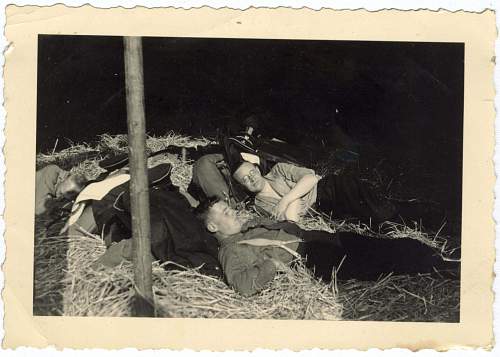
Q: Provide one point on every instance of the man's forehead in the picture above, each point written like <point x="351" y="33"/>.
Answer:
<point x="244" y="168"/>
<point x="219" y="206"/>
<point x="71" y="184"/>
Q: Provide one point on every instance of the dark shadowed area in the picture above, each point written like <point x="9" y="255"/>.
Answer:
<point x="401" y="103"/>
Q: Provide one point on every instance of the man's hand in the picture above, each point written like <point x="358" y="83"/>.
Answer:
<point x="279" y="210"/>
<point x="280" y="266"/>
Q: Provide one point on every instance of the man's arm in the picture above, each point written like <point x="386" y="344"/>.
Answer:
<point x="294" y="210"/>
<point x="305" y="180"/>
<point x="245" y="276"/>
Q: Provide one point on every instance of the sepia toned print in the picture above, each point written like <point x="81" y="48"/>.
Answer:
<point x="346" y="120"/>
<point x="287" y="179"/>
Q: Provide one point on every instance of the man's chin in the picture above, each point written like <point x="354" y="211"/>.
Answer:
<point x="257" y="188"/>
<point x="241" y="220"/>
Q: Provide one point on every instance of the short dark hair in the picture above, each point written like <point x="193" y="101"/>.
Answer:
<point x="79" y="179"/>
<point x="202" y="210"/>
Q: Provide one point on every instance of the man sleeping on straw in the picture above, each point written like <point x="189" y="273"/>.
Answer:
<point x="251" y="253"/>
<point x="52" y="184"/>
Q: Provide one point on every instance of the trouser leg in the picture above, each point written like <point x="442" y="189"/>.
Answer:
<point x="345" y="194"/>
<point x="322" y="252"/>
<point x="367" y="258"/>
<point x="208" y="181"/>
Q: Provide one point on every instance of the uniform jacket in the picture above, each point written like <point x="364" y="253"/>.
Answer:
<point x="249" y="268"/>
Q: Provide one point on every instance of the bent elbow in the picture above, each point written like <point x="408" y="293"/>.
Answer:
<point x="315" y="178"/>
<point x="293" y="217"/>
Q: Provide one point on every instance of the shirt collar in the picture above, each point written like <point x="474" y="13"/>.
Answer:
<point x="230" y="239"/>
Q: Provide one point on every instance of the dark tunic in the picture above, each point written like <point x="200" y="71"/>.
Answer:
<point x="176" y="234"/>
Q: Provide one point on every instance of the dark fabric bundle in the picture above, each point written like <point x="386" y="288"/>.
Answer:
<point x="176" y="234"/>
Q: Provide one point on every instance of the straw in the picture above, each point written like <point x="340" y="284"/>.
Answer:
<point x="67" y="283"/>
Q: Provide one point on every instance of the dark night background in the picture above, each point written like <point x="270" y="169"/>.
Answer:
<point x="401" y="102"/>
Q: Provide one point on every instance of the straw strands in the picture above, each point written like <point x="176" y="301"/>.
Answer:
<point x="187" y="293"/>
<point x="402" y="298"/>
<point x="66" y="283"/>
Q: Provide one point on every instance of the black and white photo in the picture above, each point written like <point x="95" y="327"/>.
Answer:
<point x="220" y="179"/>
<point x="317" y="179"/>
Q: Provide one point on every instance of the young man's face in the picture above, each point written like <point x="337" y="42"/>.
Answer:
<point x="67" y="189"/>
<point x="224" y="219"/>
<point x="249" y="176"/>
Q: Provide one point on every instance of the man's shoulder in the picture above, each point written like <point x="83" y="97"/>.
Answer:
<point x="229" y="243"/>
<point x="280" y="166"/>
<point x="230" y="252"/>
<point x="233" y="244"/>
<point x="49" y="174"/>
<point x="50" y="169"/>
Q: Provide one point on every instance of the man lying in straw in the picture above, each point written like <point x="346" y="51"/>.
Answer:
<point x="288" y="191"/>
<point x="251" y="253"/>
<point x="55" y="184"/>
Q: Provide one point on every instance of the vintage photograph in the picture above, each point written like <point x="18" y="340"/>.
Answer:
<point x="286" y="179"/>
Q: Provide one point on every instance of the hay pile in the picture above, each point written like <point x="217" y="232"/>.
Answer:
<point x="402" y="298"/>
<point x="187" y="293"/>
<point x="65" y="284"/>
<point x="50" y="263"/>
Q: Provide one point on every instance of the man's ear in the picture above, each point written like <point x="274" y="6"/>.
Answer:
<point x="212" y="227"/>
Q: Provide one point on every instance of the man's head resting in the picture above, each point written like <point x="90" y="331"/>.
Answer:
<point x="248" y="175"/>
<point x="220" y="219"/>
<point x="71" y="186"/>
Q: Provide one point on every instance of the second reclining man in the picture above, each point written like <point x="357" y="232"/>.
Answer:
<point x="251" y="253"/>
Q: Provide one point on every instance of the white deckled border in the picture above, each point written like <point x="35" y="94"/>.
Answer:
<point x="370" y="5"/>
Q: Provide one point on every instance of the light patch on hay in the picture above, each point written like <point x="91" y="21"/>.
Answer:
<point x="119" y="143"/>
<point x="89" y="168"/>
<point x="157" y="143"/>
<point x="394" y="230"/>
<point x="74" y="149"/>
<point x="181" y="174"/>
<point x="187" y="293"/>
<point x="84" y="159"/>
<point x="386" y="230"/>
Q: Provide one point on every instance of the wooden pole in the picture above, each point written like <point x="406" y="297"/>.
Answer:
<point x="139" y="195"/>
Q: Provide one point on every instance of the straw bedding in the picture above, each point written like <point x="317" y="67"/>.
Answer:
<point x="187" y="293"/>
<point x="66" y="284"/>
